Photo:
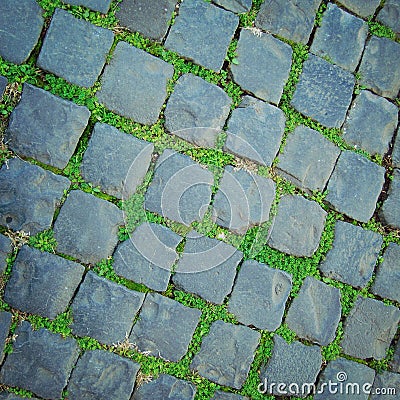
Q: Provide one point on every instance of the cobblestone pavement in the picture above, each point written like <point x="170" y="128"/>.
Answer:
<point x="199" y="199"/>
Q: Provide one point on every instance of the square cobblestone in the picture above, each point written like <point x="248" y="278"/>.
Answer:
<point x="386" y="380"/>
<point x="97" y="5"/>
<point x="5" y="325"/>
<point x="389" y="15"/>
<point x="390" y="211"/>
<point x="220" y="395"/>
<point x="3" y="85"/>
<point x="361" y="7"/>
<point x="236" y="6"/>
<point x="5" y="250"/>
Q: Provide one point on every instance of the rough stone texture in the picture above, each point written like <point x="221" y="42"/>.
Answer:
<point x="390" y="15"/>
<point x="202" y="33"/>
<point x="382" y="77"/>
<point x="115" y="161"/>
<point x="236" y="6"/>
<point x="361" y="7"/>
<point x="102" y="375"/>
<point x="220" y="395"/>
<point x="369" y="329"/>
<point x="5" y="249"/>
<point x="52" y="356"/>
<point x="96" y="5"/>
<point x="226" y="354"/>
<point x="308" y="159"/>
<point x="165" y="327"/>
<point x="341" y="38"/>
<point x="386" y="380"/>
<point x="324" y="92"/>
<point x="396" y="151"/>
<point x="42" y="283"/>
<point x="180" y="189"/>
<point x="255" y="131"/>
<point x="197" y="110"/>
<point x="395" y="364"/>
<point x="353" y="255"/>
<point x="151" y="265"/>
<point x="259" y="295"/>
<point x="134" y="84"/>
<point x="298" y="226"/>
<point x="390" y="211"/>
<point x="3" y="84"/>
<point x="87" y="227"/>
<point x="46" y="127"/>
<point x="355" y="186"/>
<point x="207" y="267"/>
<point x="104" y="310"/>
<point x="263" y="65"/>
<point x="5" y="324"/>
<point x="315" y="313"/>
<point x="29" y="196"/>
<point x="21" y="24"/>
<point x="12" y="396"/>
<point x="298" y="20"/>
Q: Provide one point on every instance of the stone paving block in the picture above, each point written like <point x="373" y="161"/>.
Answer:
<point x="5" y="324"/>
<point x="324" y="92"/>
<point x="87" y="227"/>
<point x="390" y="15"/>
<point x="165" y="327"/>
<point x="226" y="354"/>
<point x="197" y="110"/>
<point x="390" y="211"/>
<point x="395" y="364"/>
<point x="255" y="131"/>
<point x="46" y="127"/>
<point x="42" y="283"/>
<point x="298" y="20"/>
<point x="236" y="6"/>
<point x="396" y="151"/>
<point x="263" y="65"/>
<point x="151" y="265"/>
<point x="150" y="18"/>
<point x="12" y="396"/>
<point x="388" y="381"/>
<point x="308" y="159"/>
<point x="259" y="295"/>
<point x="380" y="67"/>
<point x="298" y="226"/>
<point x="21" y="24"/>
<point x="5" y="249"/>
<point x="180" y="189"/>
<point x="353" y="255"/>
<point x="315" y="313"/>
<point x="361" y="7"/>
<point x="115" y="161"/>
<point x="52" y="356"/>
<point x="134" y="84"/>
<point x="97" y="5"/>
<point x="355" y="186"/>
<point x="207" y="267"/>
<point x="102" y="375"/>
<point x="202" y="32"/>
<point x="220" y="395"/>
<point x="77" y="54"/>
<point x="29" y="196"/>
<point x="369" y="329"/>
<point x="3" y="84"/>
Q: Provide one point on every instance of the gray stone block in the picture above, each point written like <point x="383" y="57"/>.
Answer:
<point x="390" y="211"/>
<point x="355" y="186"/>
<point x="390" y="15"/>
<point x="361" y="7"/>
<point x="96" y="5"/>
<point x="12" y="396"/>
<point x="87" y="227"/>
<point x="42" y="283"/>
<point x="236" y="6"/>
<point x="197" y="110"/>
<point x="5" y="324"/>
<point x="29" y="197"/>
<point x="396" y="151"/>
<point x="52" y="356"/>
<point x="298" y="226"/>
<point x="164" y="328"/>
<point x="3" y="85"/>
<point x="202" y="33"/>
<point x="324" y="92"/>
<point x="134" y="84"/>
<point x="226" y="354"/>
<point x="395" y="364"/>
<point x="353" y="255"/>
<point x="263" y="65"/>
<point x="220" y="395"/>
<point x="388" y="381"/>
<point x="5" y="250"/>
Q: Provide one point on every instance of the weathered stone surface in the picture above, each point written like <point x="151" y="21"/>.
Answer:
<point x="134" y="84"/>
<point x="5" y="249"/>
<point x="12" y="396"/>
<point x="236" y="6"/>
<point x="390" y="15"/>
<point x="369" y="329"/>
<point x="42" y="283"/>
<point x="180" y="189"/>
<point x="207" y="267"/>
<point x="165" y="327"/>
<point x="263" y="65"/>
<point x="361" y="7"/>
<point x="46" y="127"/>
<point x="151" y="265"/>
<point x="220" y="395"/>
<point x="355" y="186"/>
<point x="386" y="380"/>
<point x="396" y="151"/>
<point x="202" y="33"/>
<point x="29" y="196"/>
<point x="96" y="5"/>
<point x="21" y="24"/>
<point x="115" y="161"/>
<point x="3" y="84"/>
<point x="102" y="375"/>
<point x="5" y="324"/>
<point x="298" y="226"/>
<point x="197" y="110"/>
<point x="255" y="131"/>
<point x="226" y="354"/>
<point x="259" y="295"/>
<point x="395" y="364"/>
<point x="390" y="211"/>
<point x="52" y="356"/>
<point x="353" y="255"/>
<point x="87" y="227"/>
<point x="324" y="92"/>
<point x="308" y="159"/>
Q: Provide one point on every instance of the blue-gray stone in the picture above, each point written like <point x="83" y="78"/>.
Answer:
<point x="390" y="212"/>
<point x="361" y="7"/>
<point x="395" y="363"/>
<point x="96" y="5"/>
<point x="385" y="382"/>
<point x="3" y="84"/>
<point x="396" y="151"/>
<point x="390" y="15"/>
<point x="236" y="6"/>
<point x="5" y="324"/>
<point x="5" y="250"/>
<point x="220" y="395"/>
<point x="12" y="396"/>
